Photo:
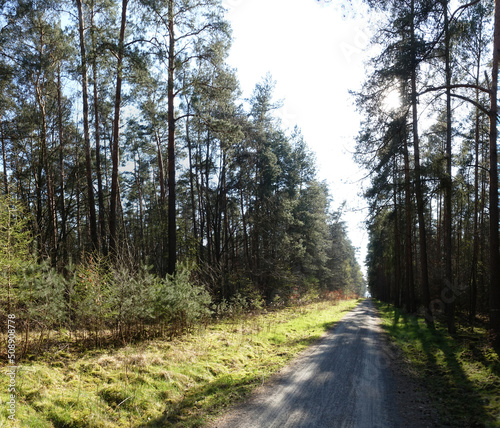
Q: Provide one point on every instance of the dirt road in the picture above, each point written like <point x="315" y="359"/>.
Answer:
<point x="344" y="380"/>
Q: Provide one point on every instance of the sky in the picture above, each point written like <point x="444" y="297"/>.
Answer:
<point x="315" y="51"/>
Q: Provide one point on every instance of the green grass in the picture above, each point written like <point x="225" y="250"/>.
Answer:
<point x="461" y="373"/>
<point x="185" y="382"/>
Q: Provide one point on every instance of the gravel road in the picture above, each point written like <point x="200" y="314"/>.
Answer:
<point x="345" y="380"/>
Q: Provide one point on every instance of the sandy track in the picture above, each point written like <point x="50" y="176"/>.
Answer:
<point x="342" y="381"/>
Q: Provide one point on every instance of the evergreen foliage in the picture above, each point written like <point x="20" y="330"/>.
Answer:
<point x="15" y="249"/>
<point x="434" y="220"/>
<point x="126" y="139"/>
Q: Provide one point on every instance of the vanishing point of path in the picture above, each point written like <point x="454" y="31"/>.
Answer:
<point x="345" y="380"/>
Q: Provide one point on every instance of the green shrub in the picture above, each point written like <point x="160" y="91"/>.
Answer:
<point x="15" y="249"/>
<point x="42" y="292"/>
<point x="180" y="303"/>
<point x="133" y="298"/>
<point x="91" y="292"/>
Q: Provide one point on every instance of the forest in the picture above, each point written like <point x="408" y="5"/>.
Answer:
<point x="432" y="160"/>
<point x="140" y="192"/>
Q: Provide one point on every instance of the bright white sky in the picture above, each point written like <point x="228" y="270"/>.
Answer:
<point x="315" y="54"/>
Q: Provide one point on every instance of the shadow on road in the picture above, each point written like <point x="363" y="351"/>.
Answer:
<point x="342" y="381"/>
<point x="188" y="411"/>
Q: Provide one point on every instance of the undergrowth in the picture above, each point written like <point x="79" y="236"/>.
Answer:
<point x="184" y="382"/>
<point x="460" y="372"/>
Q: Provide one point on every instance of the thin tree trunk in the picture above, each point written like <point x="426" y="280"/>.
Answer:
<point x="475" y="251"/>
<point x="397" y="239"/>
<point x="86" y="132"/>
<point x="201" y="211"/>
<point x="115" y="155"/>
<point x="161" y="169"/>
<point x="494" y="239"/>
<point x="62" y="177"/>
<point x="225" y="209"/>
<point x="418" y="183"/>
<point x="208" y="205"/>
<point x="245" y="233"/>
<point x="410" y="303"/>
<point x="97" y="137"/>
<point x="172" y="226"/>
<point x="141" y="208"/>
<point x="45" y="164"/>
<point x="78" y="204"/>
<point x="39" y="86"/>
<point x="4" y="158"/>
<point x="448" y="188"/>
<point x="163" y="202"/>
<point x="191" y="177"/>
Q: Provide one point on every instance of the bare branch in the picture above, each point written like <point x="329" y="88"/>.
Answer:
<point x="457" y="86"/>
<point x="474" y="103"/>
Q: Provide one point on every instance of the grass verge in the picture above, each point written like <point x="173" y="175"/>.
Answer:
<point x="185" y="382"/>
<point x="461" y="373"/>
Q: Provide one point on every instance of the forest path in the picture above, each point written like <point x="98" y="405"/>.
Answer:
<point x="345" y="380"/>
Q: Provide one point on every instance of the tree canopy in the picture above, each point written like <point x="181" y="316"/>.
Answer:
<point x="126" y="140"/>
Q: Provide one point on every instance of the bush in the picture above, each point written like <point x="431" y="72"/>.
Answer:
<point x="334" y="295"/>
<point x="180" y="303"/>
<point x="42" y="293"/>
<point x="99" y="302"/>
<point x="91" y="295"/>
<point x="237" y="305"/>
<point x="133" y="296"/>
<point x="15" y="246"/>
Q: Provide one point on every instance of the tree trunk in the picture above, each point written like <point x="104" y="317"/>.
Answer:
<point x="418" y="182"/>
<point x="86" y="133"/>
<point x="4" y="158"/>
<point x="494" y="249"/>
<point x="161" y="169"/>
<point x="172" y="227"/>
<point x="448" y="187"/>
<point x="62" y="178"/>
<point x="410" y="303"/>
<point x="246" y="250"/>
<point x="137" y="171"/>
<point x="97" y="137"/>
<point x="191" y="178"/>
<point x="208" y="204"/>
<point x="78" y="203"/>
<point x="162" y="203"/>
<point x="115" y="155"/>
<point x="397" y="239"/>
<point x="475" y="251"/>
<point x="45" y="165"/>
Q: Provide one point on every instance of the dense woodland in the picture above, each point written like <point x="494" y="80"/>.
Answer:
<point x="433" y="159"/>
<point x="138" y="188"/>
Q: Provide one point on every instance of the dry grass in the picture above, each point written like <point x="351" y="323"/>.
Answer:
<point x="183" y="382"/>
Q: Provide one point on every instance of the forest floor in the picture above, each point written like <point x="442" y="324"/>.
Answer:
<point x="184" y="382"/>
<point x="454" y="380"/>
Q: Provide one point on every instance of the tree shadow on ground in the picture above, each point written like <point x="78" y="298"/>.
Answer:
<point x="209" y="400"/>
<point x="198" y="403"/>
<point x="436" y="356"/>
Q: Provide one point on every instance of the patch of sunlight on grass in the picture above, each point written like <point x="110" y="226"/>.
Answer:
<point x="461" y="373"/>
<point x="185" y="382"/>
